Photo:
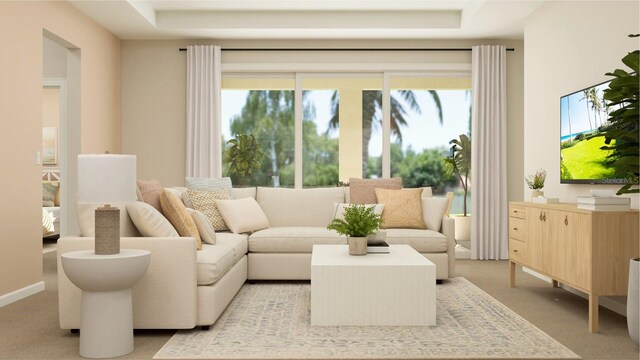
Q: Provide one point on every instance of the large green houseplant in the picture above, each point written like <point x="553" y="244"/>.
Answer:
<point x="621" y="135"/>
<point x="359" y="222"/>
<point x="242" y="156"/>
<point x="621" y="138"/>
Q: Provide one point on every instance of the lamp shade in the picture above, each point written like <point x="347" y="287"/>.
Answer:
<point x="106" y="178"/>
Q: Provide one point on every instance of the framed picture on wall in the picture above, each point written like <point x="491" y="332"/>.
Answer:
<point x="49" y="146"/>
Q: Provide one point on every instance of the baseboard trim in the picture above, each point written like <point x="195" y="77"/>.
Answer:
<point x="20" y="294"/>
<point x="605" y="301"/>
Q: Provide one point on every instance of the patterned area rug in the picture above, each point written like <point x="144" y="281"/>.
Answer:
<point x="272" y="321"/>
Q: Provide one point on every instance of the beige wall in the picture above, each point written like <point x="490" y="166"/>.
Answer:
<point x="21" y="73"/>
<point x="153" y="93"/>
<point x="569" y="46"/>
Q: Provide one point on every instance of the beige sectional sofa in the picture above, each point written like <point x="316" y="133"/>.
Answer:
<point x="184" y="288"/>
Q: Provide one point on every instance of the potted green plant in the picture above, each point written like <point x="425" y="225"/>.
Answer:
<point x="459" y="163"/>
<point x="535" y="182"/>
<point x="243" y="156"/>
<point x="359" y="222"/>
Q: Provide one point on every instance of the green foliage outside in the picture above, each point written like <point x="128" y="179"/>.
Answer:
<point x="359" y="221"/>
<point x="269" y="116"/>
<point x="585" y="160"/>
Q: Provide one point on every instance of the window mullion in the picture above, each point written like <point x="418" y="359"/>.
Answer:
<point x="298" y="133"/>
<point x="386" y="126"/>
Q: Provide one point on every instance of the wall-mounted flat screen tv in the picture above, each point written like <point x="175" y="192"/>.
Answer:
<point x="582" y="114"/>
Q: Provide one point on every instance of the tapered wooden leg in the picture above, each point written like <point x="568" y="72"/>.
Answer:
<point x="555" y="283"/>
<point x="512" y="274"/>
<point x="593" y="313"/>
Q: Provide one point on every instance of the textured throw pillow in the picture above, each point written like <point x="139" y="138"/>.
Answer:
<point x="243" y="215"/>
<point x="177" y="214"/>
<point x="208" y="184"/>
<point x="339" y="211"/>
<point x="150" y="191"/>
<point x="205" y="202"/>
<point x="207" y="233"/>
<point x="149" y="221"/>
<point x="362" y="191"/>
<point x="49" y="194"/>
<point x="402" y="208"/>
<point x="433" y="210"/>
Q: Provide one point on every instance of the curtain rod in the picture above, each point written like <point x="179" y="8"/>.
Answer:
<point x="345" y="49"/>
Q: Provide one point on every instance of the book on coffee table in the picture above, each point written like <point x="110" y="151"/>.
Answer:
<point x="377" y="247"/>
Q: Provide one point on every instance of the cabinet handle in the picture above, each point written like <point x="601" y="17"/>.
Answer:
<point x="544" y="217"/>
<point x="515" y="229"/>
<point x="540" y="215"/>
<point x="515" y="251"/>
<point x="566" y="221"/>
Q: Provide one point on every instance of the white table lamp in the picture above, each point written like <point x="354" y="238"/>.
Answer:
<point x="105" y="179"/>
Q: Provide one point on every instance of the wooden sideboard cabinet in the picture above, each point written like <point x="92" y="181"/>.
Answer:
<point x="586" y="250"/>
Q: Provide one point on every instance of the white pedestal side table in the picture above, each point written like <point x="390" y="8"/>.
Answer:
<point x="106" y="328"/>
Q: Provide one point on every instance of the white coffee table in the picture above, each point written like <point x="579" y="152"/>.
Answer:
<point x="398" y="288"/>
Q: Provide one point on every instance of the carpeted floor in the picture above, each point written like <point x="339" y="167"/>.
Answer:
<point x="29" y="328"/>
<point x="272" y="321"/>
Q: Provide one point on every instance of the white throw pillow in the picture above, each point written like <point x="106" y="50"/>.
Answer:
<point x="242" y="215"/>
<point x="149" y="221"/>
<point x="206" y="230"/>
<point x="85" y="214"/>
<point x="433" y="209"/>
<point x="338" y="213"/>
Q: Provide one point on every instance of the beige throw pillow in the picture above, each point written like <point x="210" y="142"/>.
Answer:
<point x="243" y="215"/>
<point x="149" y="221"/>
<point x="362" y="191"/>
<point x="402" y="208"/>
<point x="205" y="202"/>
<point x="207" y="233"/>
<point x="433" y="210"/>
<point x="150" y="191"/>
<point x="177" y="214"/>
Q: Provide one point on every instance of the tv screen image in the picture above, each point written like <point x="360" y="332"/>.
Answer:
<point x="583" y="114"/>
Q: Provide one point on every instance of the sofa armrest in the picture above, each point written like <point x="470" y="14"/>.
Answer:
<point x="448" y="230"/>
<point x="166" y="296"/>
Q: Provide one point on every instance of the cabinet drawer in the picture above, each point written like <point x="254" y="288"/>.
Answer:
<point x="516" y="211"/>
<point x="516" y="229"/>
<point x="517" y="251"/>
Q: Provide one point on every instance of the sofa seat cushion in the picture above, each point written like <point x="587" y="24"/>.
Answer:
<point x="423" y="241"/>
<point x="215" y="260"/>
<point x="292" y="239"/>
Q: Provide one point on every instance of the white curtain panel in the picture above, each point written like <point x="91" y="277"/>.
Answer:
<point x="489" y="228"/>
<point x="204" y="77"/>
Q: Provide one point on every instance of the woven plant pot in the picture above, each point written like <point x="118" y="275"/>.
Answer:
<point x="357" y="245"/>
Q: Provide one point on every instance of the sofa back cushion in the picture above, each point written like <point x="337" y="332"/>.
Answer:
<point x="299" y="207"/>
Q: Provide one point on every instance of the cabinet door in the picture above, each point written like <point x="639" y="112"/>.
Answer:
<point x="575" y="233"/>
<point x="555" y="244"/>
<point x="535" y="233"/>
